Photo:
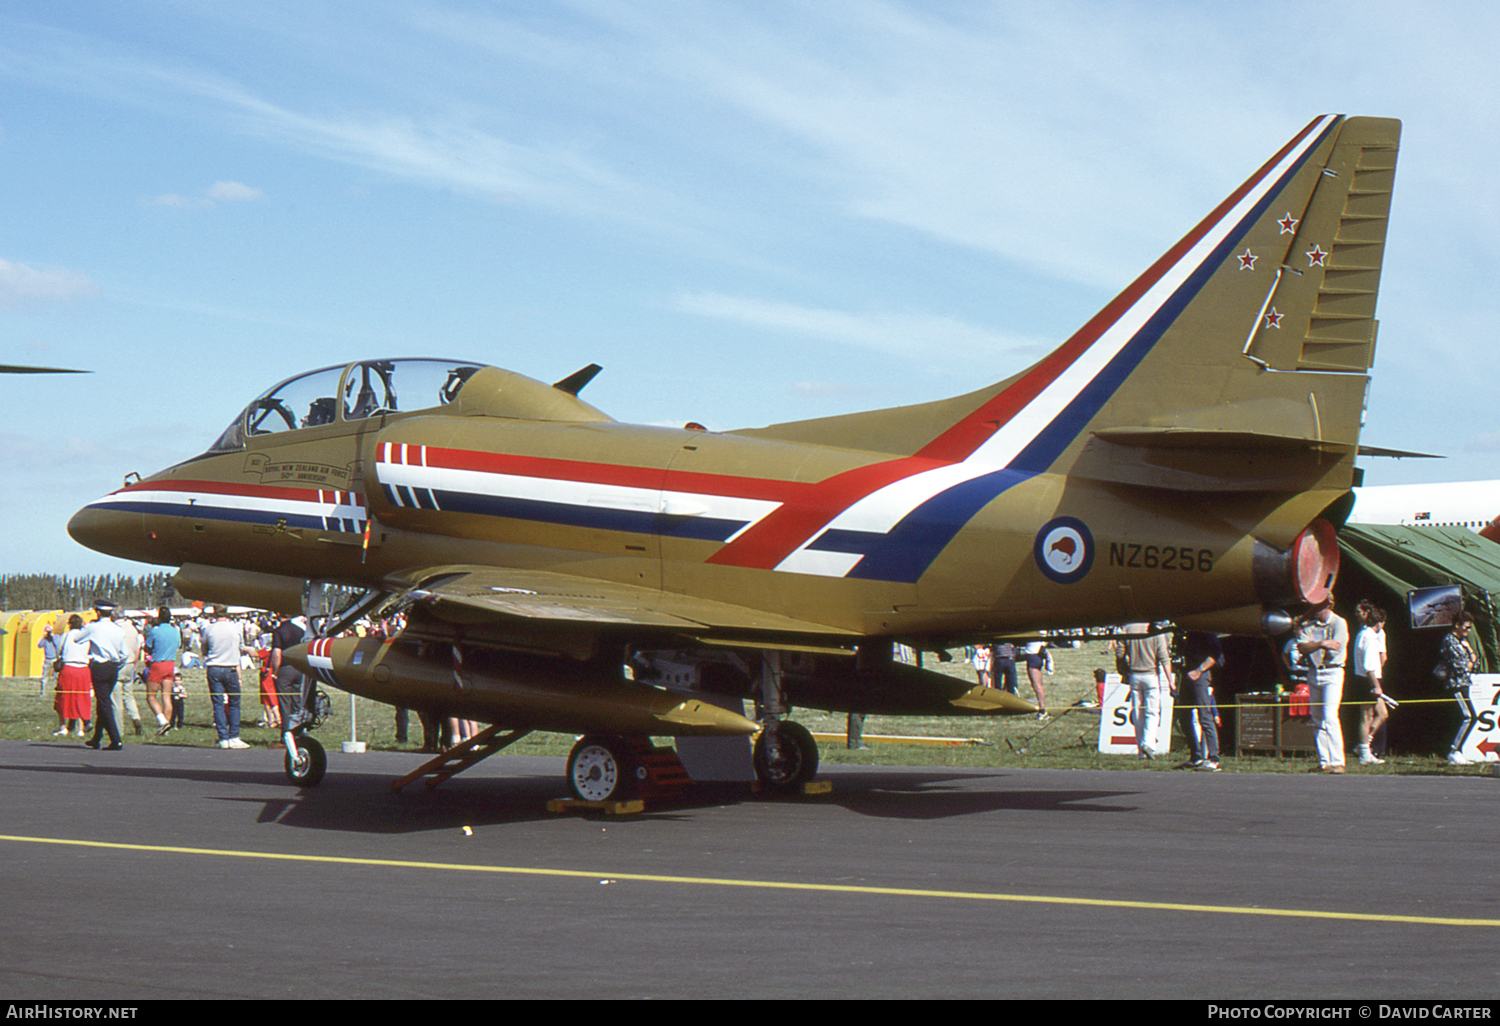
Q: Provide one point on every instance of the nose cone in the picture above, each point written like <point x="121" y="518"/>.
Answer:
<point x="109" y="527"/>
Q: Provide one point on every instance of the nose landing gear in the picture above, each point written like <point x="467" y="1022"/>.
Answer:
<point x="306" y="762"/>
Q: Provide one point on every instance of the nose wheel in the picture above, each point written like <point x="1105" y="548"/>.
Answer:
<point x="306" y="764"/>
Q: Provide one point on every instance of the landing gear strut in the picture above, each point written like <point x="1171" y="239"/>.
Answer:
<point x="785" y="756"/>
<point x="306" y="761"/>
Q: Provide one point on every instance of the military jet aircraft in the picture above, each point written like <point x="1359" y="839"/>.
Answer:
<point x="1183" y="456"/>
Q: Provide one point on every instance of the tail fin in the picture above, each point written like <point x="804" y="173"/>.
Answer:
<point x="1237" y="361"/>
<point x="1260" y="381"/>
<point x="1254" y="332"/>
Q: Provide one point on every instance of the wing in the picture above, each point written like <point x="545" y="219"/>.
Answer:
<point x="478" y="595"/>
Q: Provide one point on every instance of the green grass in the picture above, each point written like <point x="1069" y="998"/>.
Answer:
<point x="1068" y="741"/>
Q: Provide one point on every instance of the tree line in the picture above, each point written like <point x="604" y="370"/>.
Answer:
<point x="50" y="591"/>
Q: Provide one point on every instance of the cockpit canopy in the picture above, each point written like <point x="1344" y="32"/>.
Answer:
<point x="348" y="392"/>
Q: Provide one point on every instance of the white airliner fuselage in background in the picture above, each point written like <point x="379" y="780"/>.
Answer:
<point x="1471" y="504"/>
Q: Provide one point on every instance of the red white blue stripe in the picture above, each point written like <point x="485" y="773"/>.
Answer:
<point x="320" y="662"/>
<point x="573" y="493"/>
<point x="315" y="509"/>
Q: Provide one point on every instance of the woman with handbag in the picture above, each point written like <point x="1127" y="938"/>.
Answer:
<point x="1456" y="660"/>
<point x="75" y="688"/>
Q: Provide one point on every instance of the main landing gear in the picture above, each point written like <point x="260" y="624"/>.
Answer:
<point x="786" y="756"/>
<point x="603" y="768"/>
<point x="607" y="768"/>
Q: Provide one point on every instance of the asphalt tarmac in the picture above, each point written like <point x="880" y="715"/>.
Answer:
<point x="167" y="872"/>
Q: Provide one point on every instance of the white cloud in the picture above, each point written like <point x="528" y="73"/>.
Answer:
<point x="450" y="150"/>
<point x="909" y="335"/>
<point x="20" y="285"/>
<point x="231" y="192"/>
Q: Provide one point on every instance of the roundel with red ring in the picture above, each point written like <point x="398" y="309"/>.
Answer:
<point x="1064" y="550"/>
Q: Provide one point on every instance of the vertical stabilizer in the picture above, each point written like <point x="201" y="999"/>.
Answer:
<point x="1280" y="277"/>
<point x="1236" y="362"/>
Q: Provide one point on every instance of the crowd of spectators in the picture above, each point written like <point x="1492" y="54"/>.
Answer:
<point x="95" y="666"/>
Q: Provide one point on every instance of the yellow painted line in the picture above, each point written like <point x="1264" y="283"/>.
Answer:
<point x="779" y="885"/>
<point x="905" y="739"/>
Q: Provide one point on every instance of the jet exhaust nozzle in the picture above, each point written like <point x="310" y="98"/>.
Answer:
<point x="1302" y="574"/>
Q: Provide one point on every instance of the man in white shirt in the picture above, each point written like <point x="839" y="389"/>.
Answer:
<point x="125" y="704"/>
<point x="222" y="645"/>
<point x="107" y="652"/>
<point x="1324" y="639"/>
<point x="1147" y="662"/>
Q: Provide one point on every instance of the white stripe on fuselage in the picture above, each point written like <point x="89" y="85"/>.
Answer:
<point x="566" y="492"/>
<point x="172" y="502"/>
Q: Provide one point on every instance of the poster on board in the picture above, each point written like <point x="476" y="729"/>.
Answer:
<point x="1435" y="607"/>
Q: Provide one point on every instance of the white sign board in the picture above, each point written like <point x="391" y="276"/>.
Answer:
<point x="1117" y="719"/>
<point x="1482" y="743"/>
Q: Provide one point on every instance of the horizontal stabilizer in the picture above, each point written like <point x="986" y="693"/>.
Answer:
<point x="1190" y="438"/>
<point x="1398" y="454"/>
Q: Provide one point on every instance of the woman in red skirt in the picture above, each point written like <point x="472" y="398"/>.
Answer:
<point x="270" y="710"/>
<point x="75" y="689"/>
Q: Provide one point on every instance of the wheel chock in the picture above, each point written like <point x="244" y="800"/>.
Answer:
<point x="627" y="807"/>
<point x="807" y="788"/>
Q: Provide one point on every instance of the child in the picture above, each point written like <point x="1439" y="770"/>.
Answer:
<point x="270" y="708"/>
<point x="179" y="701"/>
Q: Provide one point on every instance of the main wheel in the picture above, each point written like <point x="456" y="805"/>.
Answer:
<point x="601" y="768"/>
<point x="796" y="759"/>
<point x="310" y="764"/>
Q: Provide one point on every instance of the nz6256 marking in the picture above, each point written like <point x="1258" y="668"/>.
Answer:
<point x="1160" y="557"/>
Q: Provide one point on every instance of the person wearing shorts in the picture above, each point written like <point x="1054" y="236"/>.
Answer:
<point x="1368" y="669"/>
<point x="1037" y="659"/>
<point x="161" y="666"/>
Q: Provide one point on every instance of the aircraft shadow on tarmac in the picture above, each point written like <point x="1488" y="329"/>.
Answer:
<point x="363" y="802"/>
<point x="926" y="796"/>
<point x="344" y="801"/>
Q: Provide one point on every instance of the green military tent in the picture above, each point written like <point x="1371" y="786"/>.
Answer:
<point x="1384" y="564"/>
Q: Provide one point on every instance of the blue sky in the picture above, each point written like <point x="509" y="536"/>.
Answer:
<point x="748" y="212"/>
